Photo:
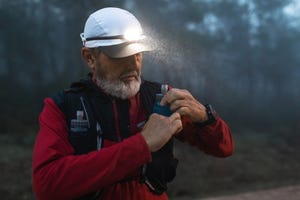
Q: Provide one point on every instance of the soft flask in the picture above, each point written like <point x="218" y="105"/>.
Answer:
<point x="158" y="108"/>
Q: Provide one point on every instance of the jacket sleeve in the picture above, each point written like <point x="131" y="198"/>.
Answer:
<point x="58" y="174"/>
<point x="214" y="139"/>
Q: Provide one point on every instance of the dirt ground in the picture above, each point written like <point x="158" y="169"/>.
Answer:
<point x="284" y="193"/>
<point x="209" y="174"/>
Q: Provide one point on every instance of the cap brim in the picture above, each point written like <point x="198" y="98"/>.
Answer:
<point x="125" y="49"/>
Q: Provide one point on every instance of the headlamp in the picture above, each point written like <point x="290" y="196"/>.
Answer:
<point x="131" y="35"/>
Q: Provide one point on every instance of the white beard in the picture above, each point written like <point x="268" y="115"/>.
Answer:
<point x="119" y="88"/>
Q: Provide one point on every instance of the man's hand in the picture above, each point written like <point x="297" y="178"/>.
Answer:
<point x="159" y="129"/>
<point x="184" y="103"/>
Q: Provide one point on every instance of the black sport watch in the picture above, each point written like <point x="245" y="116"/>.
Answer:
<point x="211" y="116"/>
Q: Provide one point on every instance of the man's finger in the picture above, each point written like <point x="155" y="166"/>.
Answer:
<point x="175" y="116"/>
<point x="178" y="104"/>
<point x="177" y="126"/>
<point x="183" y="111"/>
<point x="172" y="95"/>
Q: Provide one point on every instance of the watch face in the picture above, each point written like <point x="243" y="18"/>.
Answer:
<point x="210" y="112"/>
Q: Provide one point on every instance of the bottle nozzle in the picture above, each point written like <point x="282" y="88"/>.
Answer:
<point x="164" y="89"/>
<point x="79" y="115"/>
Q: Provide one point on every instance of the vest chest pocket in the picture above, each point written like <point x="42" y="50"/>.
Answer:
<point x="83" y="141"/>
<point x="81" y="137"/>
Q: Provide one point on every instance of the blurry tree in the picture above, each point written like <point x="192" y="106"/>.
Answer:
<point x="240" y="55"/>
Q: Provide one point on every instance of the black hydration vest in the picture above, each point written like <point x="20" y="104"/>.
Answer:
<point x="97" y="108"/>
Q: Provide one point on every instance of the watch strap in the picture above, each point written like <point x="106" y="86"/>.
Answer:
<point x="211" y="116"/>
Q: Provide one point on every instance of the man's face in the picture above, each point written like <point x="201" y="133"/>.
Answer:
<point x="120" y="77"/>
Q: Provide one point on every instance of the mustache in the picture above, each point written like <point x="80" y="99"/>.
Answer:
<point x="130" y="73"/>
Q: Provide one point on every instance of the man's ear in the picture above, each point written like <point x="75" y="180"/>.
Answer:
<point x="88" y="57"/>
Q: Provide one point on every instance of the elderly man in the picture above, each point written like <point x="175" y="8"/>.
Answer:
<point x="100" y="139"/>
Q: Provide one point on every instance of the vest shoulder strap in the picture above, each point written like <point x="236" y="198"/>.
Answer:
<point x="148" y="91"/>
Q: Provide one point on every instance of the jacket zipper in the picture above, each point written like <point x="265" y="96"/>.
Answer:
<point x="116" y="116"/>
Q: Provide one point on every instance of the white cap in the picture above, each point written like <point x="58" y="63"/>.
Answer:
<point x="115" y="31"/>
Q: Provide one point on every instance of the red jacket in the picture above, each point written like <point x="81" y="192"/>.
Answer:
<point x="59" y="174"/>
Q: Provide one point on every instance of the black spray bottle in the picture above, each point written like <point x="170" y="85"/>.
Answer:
<point x="158" y="108"/>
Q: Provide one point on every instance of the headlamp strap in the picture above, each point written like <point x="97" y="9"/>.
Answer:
<point x="105" y="38"/>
